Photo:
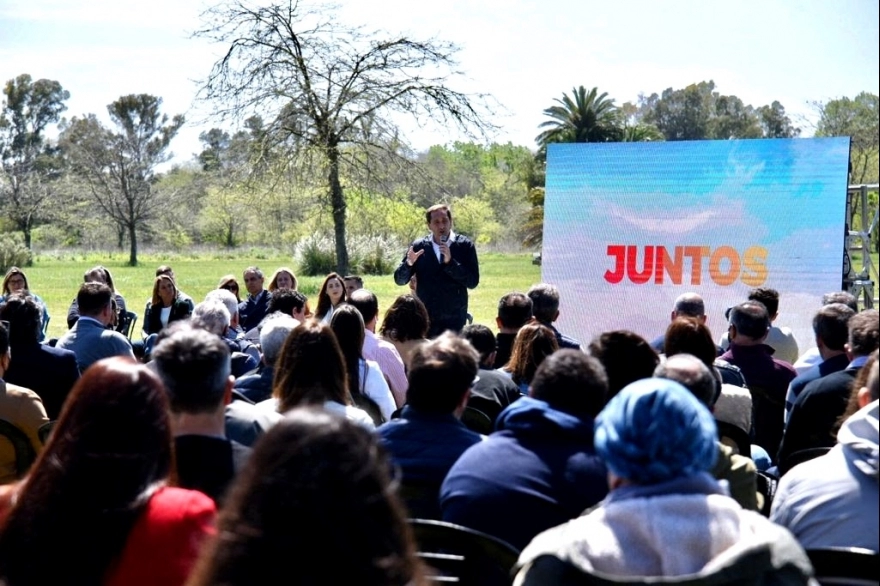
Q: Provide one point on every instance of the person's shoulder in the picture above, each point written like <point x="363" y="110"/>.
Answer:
<point x="21" y="393"/>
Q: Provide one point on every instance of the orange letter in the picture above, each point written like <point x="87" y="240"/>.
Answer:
<point x="696" y="253"/>
<point x="639" y="278"/>
<point x="617" y="275"/>
<point x="719" y="255"/>
<point x="753" y="260"/>
<point x="665" y="262"/>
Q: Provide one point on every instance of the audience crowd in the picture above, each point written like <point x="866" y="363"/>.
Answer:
<point x="258" y="434"/>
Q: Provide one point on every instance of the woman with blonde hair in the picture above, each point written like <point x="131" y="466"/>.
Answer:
<point x="15" y="281"/>
<point x="282" y="278"/>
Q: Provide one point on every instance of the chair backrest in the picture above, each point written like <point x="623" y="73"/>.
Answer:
<point x="766" y="485"/>
<point x="463" y="556"/>
<point x="21" y="444"/>
<point x="801" y="456"/>
<point x="729" y="433"/>
<point x="45" y="430"/>
<point x="848" y="566"/>
<point x="477" y="421"/>
<point x="127" y="319"/>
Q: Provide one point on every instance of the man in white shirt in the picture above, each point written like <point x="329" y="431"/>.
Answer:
<point x="384" y="353"/>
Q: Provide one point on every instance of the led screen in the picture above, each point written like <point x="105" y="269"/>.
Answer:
<point x="628" y="227"/>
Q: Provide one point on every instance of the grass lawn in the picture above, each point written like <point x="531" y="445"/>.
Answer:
<point x="56" y="280"/>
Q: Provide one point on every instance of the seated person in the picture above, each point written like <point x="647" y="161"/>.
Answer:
<point x="99" y="274"/>
<point x="665" y="516"/>
<point x="15" y="281"/>
<point x="833" y="500"/>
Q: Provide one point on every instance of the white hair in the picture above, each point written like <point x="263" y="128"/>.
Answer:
<point x="273" y="335"/>
<point x="225" y="297"/>
<point x="213" y="316"/>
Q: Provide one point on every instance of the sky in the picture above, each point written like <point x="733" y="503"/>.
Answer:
<point x="524" y="53"/>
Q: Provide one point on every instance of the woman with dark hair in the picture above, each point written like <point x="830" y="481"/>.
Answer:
<point x="315" y="488"/>
<point x="689" y="335"/>
<point x="282" y="278"/>
<point x="365" y="378"/>
<point x="15" y="281"/>
<point x="95" y="508"/>
<point x="165" y="306"/>
<point x="98" y="274"/>
<point x="311" y="371"/>
<point x="230" y="283"/>
<point x="533" y="343"/>
<point x="626" y="356"/>
<point x="405" y="325"/>
<point x="332" y="293"/>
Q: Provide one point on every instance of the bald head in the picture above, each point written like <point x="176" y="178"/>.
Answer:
<point x="691" y="373"/>
<point x="689" y="305"/>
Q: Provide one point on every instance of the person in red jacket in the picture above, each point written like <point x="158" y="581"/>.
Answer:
<point x="96" y="507"/>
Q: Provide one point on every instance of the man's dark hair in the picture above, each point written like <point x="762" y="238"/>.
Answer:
<point x="165" y="270"/>
<point x="751" y="319"/>
<point x="514" y="310"/>
<point x="285" y="301"/>
<point x="571" y="381"/>
<point x="481" y="338"/>
<point x="4" y="340"/>
<point x="693" y="374"/>
<point x="626" y="356"/>
<point x="545" y="302"/>
<point x="440" y="373"/>
<point x="356" y="278"/>
<point x="365" y="301"/>
<point x="25" y="317"/>
<point x="864" y="332"/>
<point x="769" y="297"/>
<point x="194" y="365"/>
<point x="92" y="298"/>
<point x="847" y="299"/>
<point x="434" y="208"/>
<point x="254" y="269"/>
<point x="830" y="324"/>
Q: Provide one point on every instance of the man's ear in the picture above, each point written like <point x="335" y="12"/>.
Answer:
<point x="863" y="397"/>
<point x="490" y="359"/>
<point x="556" y="315"/>
<point x="498" y="323"/>
<point x="227" y="393"/>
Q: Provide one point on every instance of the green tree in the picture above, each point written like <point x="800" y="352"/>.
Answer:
<point x="332" y="93"/>
<point x="857" y="118"/>
<point x="29" y="165"/>
<point x="120" y="167"/>
<point x="585" y="116"/>
<point x="775" y="123"/>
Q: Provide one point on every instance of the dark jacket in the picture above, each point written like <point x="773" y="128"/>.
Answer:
<point x="815" y="413"/>
<point x="208" y="464"/>
<point x="537" y="471"/>
<point x="443" y="287"/>
<point x="493" y="392"/>
<point x="180" y="309"/>
<point x="47" y="371"/>
<point x="257" y="387"/>
<point x="252" y="310"/>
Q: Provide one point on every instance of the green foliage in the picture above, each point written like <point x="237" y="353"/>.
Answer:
<point x="586" y="116"/>
<point x="858" y="118"/>
<point x="474" y="217"/>
<point x="315" y="256"/>
<point x="13" y="253"/>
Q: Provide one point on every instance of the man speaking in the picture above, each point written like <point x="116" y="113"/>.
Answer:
<point x="445" y="266"/>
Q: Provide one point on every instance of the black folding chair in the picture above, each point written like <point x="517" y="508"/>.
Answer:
<point x="464" y="556"/>
<point x="850" y="566"/>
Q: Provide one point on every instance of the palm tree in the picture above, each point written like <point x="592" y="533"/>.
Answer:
<point x="584" y="117"/>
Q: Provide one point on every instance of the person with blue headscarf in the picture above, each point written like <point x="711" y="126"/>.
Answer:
<point x="665" y="516"/>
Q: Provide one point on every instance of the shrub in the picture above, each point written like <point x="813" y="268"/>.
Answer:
<point x="13" y="253"/>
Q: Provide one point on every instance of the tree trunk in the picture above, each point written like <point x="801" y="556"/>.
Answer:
<point x="133" y="249"/>
<point x="26" y="231"/>
<point x="230" y="238"/>
<point x="337" y="200"/>
<point x="120" y="236"/>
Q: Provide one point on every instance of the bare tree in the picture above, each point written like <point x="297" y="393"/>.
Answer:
<point x="330" y="92"/>
<point x="119" y="168"/>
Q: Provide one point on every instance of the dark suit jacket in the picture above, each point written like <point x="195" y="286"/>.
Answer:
<point x="47" y="371"/>
<point x="208" y="464"/>
<point x="815" y="413"/>
<point x="180" y="309"/>
<point x="443" y="287"/>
